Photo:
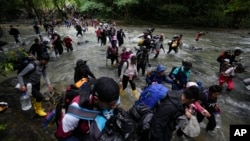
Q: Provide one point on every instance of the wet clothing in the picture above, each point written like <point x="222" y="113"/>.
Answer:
<point x="181" y="76"/>
<point x="103" y="37"/>
<point x="124" y="57"/>
<point x="142" y="61"/>
<point x="15" y="33"/>
<point x="37" y="50"/>
<point x="209" y="105"/>
<point x="98" y="35"/>
<point x="164" y="120"/>
<point x="227" y="76"/>
<point x="112" y="53"/>
<point x="37" y="29"/>
<point x="128" y="70"/>
<point x="79" y="30"/>
<point x="153" y="77"/>
<point x="57" y="44"/>
<point x="228" y="54"/>
<point x="173" y="46"/>
<point x="120" y="37"/>
<point x="34" y="78"/>
<point x="68" y="43"/>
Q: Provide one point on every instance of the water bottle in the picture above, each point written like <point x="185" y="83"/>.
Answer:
<point x="25" y="102"/>
<point x="29" y="89"/>
<point x="217" y="119"/>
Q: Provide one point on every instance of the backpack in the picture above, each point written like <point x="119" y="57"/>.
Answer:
<point x="55" y="115"/>
<point x="120" y="127"/>
<point x="151" y="95"/>
<point x="174" y="44"/>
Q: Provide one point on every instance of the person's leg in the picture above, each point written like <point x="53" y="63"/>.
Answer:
<point x="38" y="103"/>
<point x="143" y="69"/>
<point x="71" y="47"/>
<point x="211" y="122"/>
<point x="221" y="80"/>
<point x="230" y="84"/>
<point x="112" y="58"/>
<point x="169" y="49"/>
<point x="138" y="67"/>
<point x="200" y="117"/>
<point x="132" y="84"/>
<point x="125" y="80"/>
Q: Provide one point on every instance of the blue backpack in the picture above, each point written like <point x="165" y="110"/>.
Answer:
<point x="151" y="95"/>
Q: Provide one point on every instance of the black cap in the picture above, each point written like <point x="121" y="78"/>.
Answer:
<point x="106" y="89"/>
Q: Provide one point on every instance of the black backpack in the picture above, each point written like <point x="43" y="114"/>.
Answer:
<point x="120" y="127"/>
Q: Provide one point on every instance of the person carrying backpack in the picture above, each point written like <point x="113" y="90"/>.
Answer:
<point x="88" y="112"/>
<point x="158" y="76"/>
<point x="82" y="70"/>
<point x="124" y="56"/>
<point x="32" y="74"/>
<point x="142" y="60"/>
<point x="57" y="43"/>
<point x="15" y="33"/>
<point x="175" y="104"/>
<point x="128" y="74"/>
<point x="173" y="44"/>
<point x="180" y="75"/>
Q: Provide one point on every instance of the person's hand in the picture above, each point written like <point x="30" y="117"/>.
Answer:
<point x="130" y="77"/>
<point x="50" y="87"/>
<point x="23" y="88"/>
<point x="217" y="109"/>
<point x="187" y="113"/>
<point x="206" y="113"/>
<point x="154" y="82"/>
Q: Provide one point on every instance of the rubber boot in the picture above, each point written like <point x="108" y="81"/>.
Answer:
<point x="122" y="92"/>
<point x="33" y="101"/>
<point x="39" y="109"/>
<point x="135" y="94"/>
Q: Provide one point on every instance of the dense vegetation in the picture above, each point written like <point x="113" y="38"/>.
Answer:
<point x="186" y="13"/>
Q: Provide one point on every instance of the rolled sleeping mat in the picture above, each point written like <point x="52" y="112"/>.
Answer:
<point x="247" y="81"/>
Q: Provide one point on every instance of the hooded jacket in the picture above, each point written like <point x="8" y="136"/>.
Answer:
<point x="164" y="120"/>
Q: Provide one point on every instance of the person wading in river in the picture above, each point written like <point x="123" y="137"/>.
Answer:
<point x="32" y="74"/>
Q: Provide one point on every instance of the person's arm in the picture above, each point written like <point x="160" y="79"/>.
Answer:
<point x="149" y="78"/>
<point x="66" y="126"/>
<point x="46" y="77"/>
<point x="168" y="80"/>
<point x="89" y="72"/>
<point x="160" y="121"/>
<point x="123" y="34"/>
<point x="30" y="67"/>
<point x="175" y="72"/>
<point x="124" y="66"/>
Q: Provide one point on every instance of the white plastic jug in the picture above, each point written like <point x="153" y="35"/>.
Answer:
<point x="25" y="102"/>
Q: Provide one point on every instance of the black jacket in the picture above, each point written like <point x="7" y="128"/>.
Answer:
<point x="164" y="120"/>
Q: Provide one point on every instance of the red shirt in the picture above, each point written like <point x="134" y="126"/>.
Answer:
<point x="67" y="41"/>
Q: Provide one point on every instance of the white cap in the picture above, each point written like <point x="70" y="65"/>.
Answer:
<point x="226" y="60"/>
<point x="190" y="84"/>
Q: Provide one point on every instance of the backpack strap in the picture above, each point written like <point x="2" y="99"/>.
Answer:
<point x="82" y="113"/>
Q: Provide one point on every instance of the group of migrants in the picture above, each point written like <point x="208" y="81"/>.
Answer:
<point x="91" y="110"/>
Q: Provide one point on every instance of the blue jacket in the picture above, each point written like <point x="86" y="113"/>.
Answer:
<point x="153" y="77"/>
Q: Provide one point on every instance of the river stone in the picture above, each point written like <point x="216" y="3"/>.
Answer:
<point x="246" y="81"/>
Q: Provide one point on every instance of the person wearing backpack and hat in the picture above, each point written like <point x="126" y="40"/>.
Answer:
<point x="97" y="100"/>
<point x="142" y="60"/>
<point x="158" y="76"/>
<point x="128" y="74"/>
<point x="173" y="44"/>
<point x="175" y="104"/>
<point x="180" y="75"/>
<point x="32" y="74"/>
<point x="82" y="70"/>
<point x="124" y="56"/>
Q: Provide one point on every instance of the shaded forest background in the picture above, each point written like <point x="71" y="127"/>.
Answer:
<point x="186" y="13"/>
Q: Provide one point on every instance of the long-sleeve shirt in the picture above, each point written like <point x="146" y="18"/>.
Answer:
<point x="35" y="76"/>
<point x="128" y="69"/>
